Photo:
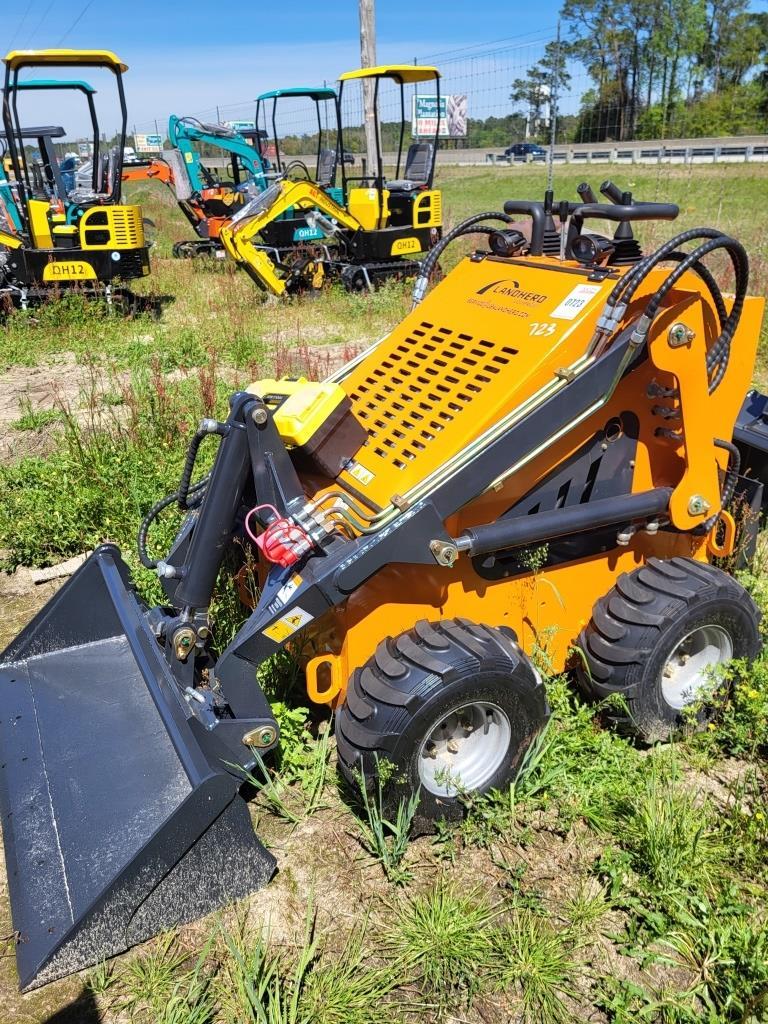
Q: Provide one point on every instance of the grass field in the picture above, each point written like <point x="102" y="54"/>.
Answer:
<point x="609" y="884"/>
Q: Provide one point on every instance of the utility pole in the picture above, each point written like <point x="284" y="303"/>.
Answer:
<point x="368" y="60"/>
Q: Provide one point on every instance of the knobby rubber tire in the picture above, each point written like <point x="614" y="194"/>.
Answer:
<point x="413" y="681"/>
<point x="638" y="624"/>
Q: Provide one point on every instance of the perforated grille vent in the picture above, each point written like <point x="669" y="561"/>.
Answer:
<point x="424" y="383"/>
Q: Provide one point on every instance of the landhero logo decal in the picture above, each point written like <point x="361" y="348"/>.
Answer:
<point x="495" y="296"/>
<point x="511" y="289"/>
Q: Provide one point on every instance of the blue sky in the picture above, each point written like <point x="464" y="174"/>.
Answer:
<point x="187" y="57"/>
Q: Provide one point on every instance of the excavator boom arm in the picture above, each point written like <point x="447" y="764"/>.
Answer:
<point x="240" y="235"/>
<point x="155" y="170"/>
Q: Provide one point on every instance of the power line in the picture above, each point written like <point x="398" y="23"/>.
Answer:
<point x="40" y="23"/>
<point x="76" y="22"/>
<point x="21" y="24"/>
<point x="496" y="43"/>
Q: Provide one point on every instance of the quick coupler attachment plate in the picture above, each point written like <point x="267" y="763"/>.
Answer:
<point x="119" y="818"/>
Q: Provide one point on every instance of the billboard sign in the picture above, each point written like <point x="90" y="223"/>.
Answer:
<point x="148" y="143"/>
<point x="453" y="117"/>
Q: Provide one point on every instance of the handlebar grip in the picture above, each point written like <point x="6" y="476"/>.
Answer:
<point x="535" y="211"/>
<point x="618" y="212"/>
<point x="586" y="193"/>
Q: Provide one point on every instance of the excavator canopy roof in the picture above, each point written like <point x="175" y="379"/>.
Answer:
<point x="319" y="93"/>
<point x="56" y="83"/>
<point x="65" y="58"/>
<point x="403" y="73"/>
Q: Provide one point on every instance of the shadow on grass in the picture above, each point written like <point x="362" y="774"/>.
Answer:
<point x="82" y="1010"/>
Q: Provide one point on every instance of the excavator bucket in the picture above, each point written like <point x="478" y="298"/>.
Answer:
<point x="116" y="823"/>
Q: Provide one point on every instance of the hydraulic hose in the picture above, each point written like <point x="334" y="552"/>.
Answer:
<point x="624" y="290"/>
<point x="195" y="495"/>
<point x="626" y="286"/>
<point x="187" y="495"/>
<point x="189" y="466"/>
<point x="729" y="484"/>
<point x="708" y="278"/>
<point x="719" y="352"/>
<point x="464" y="228"/>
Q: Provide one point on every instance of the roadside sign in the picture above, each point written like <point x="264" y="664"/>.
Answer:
<point x="453" y="117"/>
<point x="241" y="126"/>
<point x="148" y="143"/>
<point x="84" y="149"/>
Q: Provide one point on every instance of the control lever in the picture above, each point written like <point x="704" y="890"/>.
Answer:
<point x="585" y="192"/>
<point x="563" y="211"/>
<point x="612" y="192"/>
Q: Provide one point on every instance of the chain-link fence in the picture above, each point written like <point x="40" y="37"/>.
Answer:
<point x="533" y="91"/>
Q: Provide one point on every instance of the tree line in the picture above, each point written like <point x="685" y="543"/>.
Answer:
<point x="657" y="69"/>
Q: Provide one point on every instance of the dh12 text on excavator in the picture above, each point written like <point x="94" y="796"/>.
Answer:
<point x="206" y="198"/>
<point x="53" y="234"/>
<point x="375" y="232"/>
<point x="538" y="458"/>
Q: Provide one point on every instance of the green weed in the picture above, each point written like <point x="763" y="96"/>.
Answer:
<point x="674" y="840"/>
<point x="351" y="988"/>
<point x="151" y="979"/>
<point x="34" y="419"/>
<point x="442" y="936"/>
<point x="382" y="837"/>
<point x="533" y="963"/>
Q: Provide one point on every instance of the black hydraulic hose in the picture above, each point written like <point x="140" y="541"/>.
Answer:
<point x="719" y="353"/>
<point x="189" y="466"/>
<point x="729" y="484"/>
<point x="631" y="280"/>
<point x="738" y="258"/>
<point x="429" y="262"/>
<point x="187" y="495"/>
<point x="195" y="495"/>
<point x="703" y="271"/>
<point x="734" y="467"/>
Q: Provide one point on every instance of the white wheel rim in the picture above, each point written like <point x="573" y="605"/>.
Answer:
<point x="464" y="749"/>
<point x="687" y="674"/>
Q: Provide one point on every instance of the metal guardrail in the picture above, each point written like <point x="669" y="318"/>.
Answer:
<point x="748" y="149"/>
<point x="704" y="151"/>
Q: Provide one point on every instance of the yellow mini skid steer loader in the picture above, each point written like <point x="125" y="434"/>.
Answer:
<point x="375" y="233"/>
<point x="539" y="457"/>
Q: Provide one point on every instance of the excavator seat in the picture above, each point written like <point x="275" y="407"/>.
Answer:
<point x="326" y="167"/>
<point x="417" y="167"/>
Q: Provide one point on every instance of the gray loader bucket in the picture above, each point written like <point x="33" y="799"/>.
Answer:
<point x="115" y="821"/>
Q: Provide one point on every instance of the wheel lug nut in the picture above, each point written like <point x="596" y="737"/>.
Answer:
<point x="452" y="747"/>
<point x="430" y="751"/>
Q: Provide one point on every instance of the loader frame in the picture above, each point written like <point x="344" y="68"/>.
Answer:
<point x="604" y="402"/>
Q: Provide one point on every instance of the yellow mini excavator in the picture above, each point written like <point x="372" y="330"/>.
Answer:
<point x="377" y="232"/>
<point x="54" y="233"/>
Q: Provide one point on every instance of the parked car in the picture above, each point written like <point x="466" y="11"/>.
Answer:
<point x="525" y="151"/>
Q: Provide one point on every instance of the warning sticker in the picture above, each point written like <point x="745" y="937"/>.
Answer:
<point x="286" y="592"/>
<point x="288" y="624"/>
<point x="360" y="473"/>
<point x="575" y="301"/>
